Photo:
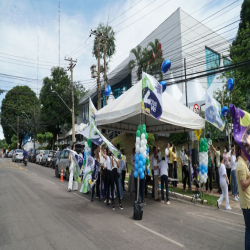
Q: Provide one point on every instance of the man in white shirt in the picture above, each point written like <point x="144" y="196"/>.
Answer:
<point x="156" y="176"/>
<point x="159" y="154"/>
<point x="124" y="170"/>
<point x="163" y="167"/>
<point x="167" y="153"/>
<point x="152" y="166"/>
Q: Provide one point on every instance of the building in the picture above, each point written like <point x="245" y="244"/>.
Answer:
<point x="181" y="36"/>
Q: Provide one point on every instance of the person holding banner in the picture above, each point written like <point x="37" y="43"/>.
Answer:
<point x="72" y="185"/>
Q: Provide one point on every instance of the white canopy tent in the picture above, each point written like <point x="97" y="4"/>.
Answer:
<point x="124" y="114"/>
<point x="173" y="89"/>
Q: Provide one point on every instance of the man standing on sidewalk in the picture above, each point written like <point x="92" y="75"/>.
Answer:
<point x="243" y="180"/>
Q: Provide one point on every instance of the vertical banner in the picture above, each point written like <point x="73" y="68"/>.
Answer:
<point x="241" y="129"/>
<point x="151" y="95"/>
<point x="213" y="113"/>
<point x="92" y="113"/>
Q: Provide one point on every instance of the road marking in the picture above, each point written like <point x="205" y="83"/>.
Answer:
<point x="231" y="212"/>
<point x="33" y="173"/>
<point x="160" y="235"/>
<point x="51" y="182"/>
<point x="81" y="197"/>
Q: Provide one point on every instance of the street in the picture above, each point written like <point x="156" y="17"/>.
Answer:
<point x="37" y="212"/>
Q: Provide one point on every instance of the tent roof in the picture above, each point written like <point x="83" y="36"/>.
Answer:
<point x="173" y="89"/>
<point x="124" y="114"/>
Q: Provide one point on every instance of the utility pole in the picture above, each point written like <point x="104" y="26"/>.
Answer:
<point x="17" y="132"/>
<point x="98" y="74"/>
<point x="34" y="127"/>
<point x="185" y="69"/>
<point x="72" y="64"/>
<point x="59" y="32"/>
<point x="105" y="67"/>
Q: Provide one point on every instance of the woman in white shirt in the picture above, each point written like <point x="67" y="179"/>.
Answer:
<point x="185" y="169"/>
<point x="224" y="185"/>
<point x="163" y="167"/>
<point x="233" y="173"/>
<point x="73" y="184"/>
<point x="156" y="176"/>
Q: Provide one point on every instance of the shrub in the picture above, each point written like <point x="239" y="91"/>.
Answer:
<point x="178" y="138"/>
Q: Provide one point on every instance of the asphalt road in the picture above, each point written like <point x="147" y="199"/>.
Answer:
<point x="37" y="212"/>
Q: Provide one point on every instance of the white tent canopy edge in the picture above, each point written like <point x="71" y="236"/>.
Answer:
<point x="124" y="114"/>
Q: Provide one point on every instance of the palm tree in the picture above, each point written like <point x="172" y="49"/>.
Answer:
<point x="156" y="59"/>
<point x="137" y="62"/>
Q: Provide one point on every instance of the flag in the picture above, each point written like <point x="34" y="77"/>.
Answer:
<point x="92" y="113"/>
<point x="151" y="95"/>
<point x="213" y="113"/>
<point x="92" y="133"/>
<point x="241" y="129"/>
<point x="78" y="162"/>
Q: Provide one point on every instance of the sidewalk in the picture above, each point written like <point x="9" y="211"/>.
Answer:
<point x="234" y="204"/>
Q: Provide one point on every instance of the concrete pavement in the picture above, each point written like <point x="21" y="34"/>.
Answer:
<point x="37" y="212"/>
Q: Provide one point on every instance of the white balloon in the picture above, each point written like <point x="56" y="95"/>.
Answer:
<point x="202" y="179"/>
<point x="142" y="143"/>
<point x="137" y="140"/>
<point x="145" y="148"/>
<point x="137" y="149"/>
<point x="144" y="154"/>
<point x="205" y="175"/>
<point x="143" y="136"/>
<point x="141" y="150"/>
<point x="146" y="141"/>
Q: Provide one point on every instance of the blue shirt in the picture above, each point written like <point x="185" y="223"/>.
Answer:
<point x="25" y="153"/>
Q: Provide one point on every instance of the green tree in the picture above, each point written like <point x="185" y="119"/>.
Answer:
<point x="13" y="143"/>
<point x="18" y="100"/>
<point x="3" y="144"/>
<point x="54" y="112"/>
<point x="40" y="138"/>
<point x="178" y="138"/>
<point x="151" y="141"/>
<point x="108" y="32"/>
<point x="156" y="58"/>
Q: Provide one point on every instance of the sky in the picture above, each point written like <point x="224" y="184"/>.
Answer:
<point x="29" y="30"/>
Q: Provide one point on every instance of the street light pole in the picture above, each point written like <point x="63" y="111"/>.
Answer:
<point x="17" y="132"/>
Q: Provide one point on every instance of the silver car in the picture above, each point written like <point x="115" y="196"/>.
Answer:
<point x="39" y="155"/>
<point x="47" y="157"/>
<point x="17" y="155"/>
<point x="63" y="163"/>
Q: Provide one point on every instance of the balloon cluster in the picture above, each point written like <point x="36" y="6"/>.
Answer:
<point x="107" y="91"/>
<point x="142" y="151"/>
<point x="87" y="149"/>
<point x="203" y="161"/>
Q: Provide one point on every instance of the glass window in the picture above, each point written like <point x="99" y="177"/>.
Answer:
<point x="66" y="155"/>
<point x="62" y="154"/>
<point x="212" y="61"/>
<point x="226" y="61"/>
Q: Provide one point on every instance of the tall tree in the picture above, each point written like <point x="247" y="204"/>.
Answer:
<point x="20" y="102"/>
<point x="54" y="113"/>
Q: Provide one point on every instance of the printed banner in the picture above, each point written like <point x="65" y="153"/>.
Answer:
<point x="92" y="133"/>
<point x="241" y="129"/>
<point x="92" y="113"/>
<point x="26" y="139"/>
<point x="151" y="95"/>
<point x="78" y="163"/>
<point x="213" y="113"/>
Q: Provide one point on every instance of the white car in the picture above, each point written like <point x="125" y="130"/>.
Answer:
<point x="47" y="157"/>
<point x="17" y="155"/>
<point x="39" y="156"/>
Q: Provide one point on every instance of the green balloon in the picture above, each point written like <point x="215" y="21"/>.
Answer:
<point x="89" y="142"/>
<point x="146" y="135"/>
<point x="143" y="126"/>
<point x="138" y="133"/>
<point x="144" y="131"/>
<point x="147" y="161"/>
<point x="139" y="127"/>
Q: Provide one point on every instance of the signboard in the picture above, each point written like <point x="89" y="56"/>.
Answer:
<point x="196" y="109"/>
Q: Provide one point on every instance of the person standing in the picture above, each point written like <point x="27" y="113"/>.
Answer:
<point x="124" y="170"/>
<point x="119" y="172"/>
<point x="167" y="153"/>
<point x="170" y="164"/>
<point x="163" y="167"/>
<point x="224" y="182"/>
<point x="175" y="165"/>
<point x="152" y="171"/>
<point x="217" y="164"/>
<point x="156" y="176"/>
<point x="243" y="179"/>
<point x="227" y="164"/>
<point x="186" y="171"/>
<point x="234" y="185"/>
<point x="159" y="154"/>
<point x="182" y="154"/>
<point x="131" y="178"/>
<point x="210" y="172"/>
<point x="72" y="185"/>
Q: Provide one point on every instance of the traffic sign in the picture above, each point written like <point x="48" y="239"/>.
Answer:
<point x="196" y="109"/>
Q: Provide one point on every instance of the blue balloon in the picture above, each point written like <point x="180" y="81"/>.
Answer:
<point x="140" y="164"/>
<point x="225" y="111"/>
<point x="107" y="91"/>
<point x="143" y="168"/>
<point x="142" y="176"/>
<point x="199" y="168"/>
<point x="148" y="171"/>
<point x="144" y="161"/>
<point x="159" y="186"/>
<point x="135" y="174"/>
<point x="202" y="171"/>
<point x="136" y="157"/>
<point x="166" y="65"/>
<point x="89" y="153"/>
<point x="140" y="157"/>
<point x="140" y="170"/>
<point x="136" y="166"/>
<point x="203" y="167"/>
<point x="164" y="85"/>
<point x="85" y="156"/>
<point x="147" y="150"/>
<point x="230" y="84"/>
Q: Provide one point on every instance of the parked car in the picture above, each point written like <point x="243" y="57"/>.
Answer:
<point x="63" y="162"/>
<point x="17" y="155"/>
<point x="55" y="158"/>
<point x="28" y="153"/>
<point x="39" y="155"/>
<point x="10" y="154"/>
<point x="47" y="157"/>
<point x="33" y="155"/>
